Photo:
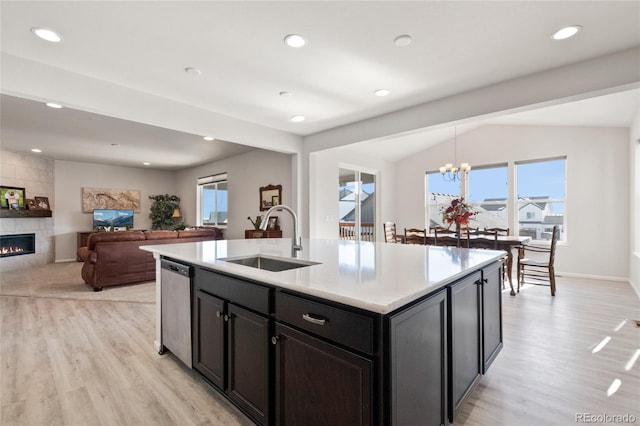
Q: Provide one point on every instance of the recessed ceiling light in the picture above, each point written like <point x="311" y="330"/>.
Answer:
<point x="53" y="105"/>
<point x="295" y="40"/>
<point x="208" y="138"/>
<point x="146" y="164"/>
<point x="402" y="40"/>
<point x="46" y="34"/>
<point x="285" y="94"/>
<point x="193" y="71"/>
<point x="381" y="92"/>
<point x="296" y="118"/>
<point x="36" y="150"/>
<point x="566" y="32"/>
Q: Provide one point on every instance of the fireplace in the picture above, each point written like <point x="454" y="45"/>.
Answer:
<point x="17" y="245"/>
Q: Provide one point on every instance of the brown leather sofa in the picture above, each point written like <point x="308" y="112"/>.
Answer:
<point x="114" y="258"/>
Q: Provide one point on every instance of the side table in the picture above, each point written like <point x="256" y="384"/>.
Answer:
<point x="257" y="233"/>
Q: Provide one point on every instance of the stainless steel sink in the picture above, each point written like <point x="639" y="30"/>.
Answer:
<point x="269" y="263"/>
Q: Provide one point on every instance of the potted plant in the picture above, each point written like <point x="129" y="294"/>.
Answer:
<point x="162" y="209"/>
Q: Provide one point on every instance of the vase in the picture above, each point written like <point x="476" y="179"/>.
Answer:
<point x="458" y="230"/>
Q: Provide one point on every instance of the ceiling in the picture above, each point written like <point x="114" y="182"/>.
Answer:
<point x="74" y="135"/>
<point x="238" y="47"/>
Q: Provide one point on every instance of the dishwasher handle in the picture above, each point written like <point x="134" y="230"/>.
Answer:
<point x="175" y="267"/>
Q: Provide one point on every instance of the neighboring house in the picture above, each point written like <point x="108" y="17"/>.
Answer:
<point x="496" y="207"/>
<point x="536" y="217"/>
<point x="347" y="208"/>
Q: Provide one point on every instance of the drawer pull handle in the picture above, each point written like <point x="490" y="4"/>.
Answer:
<point x="313" y="320"/>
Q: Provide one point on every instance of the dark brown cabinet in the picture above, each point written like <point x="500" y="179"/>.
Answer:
<point x="418" y="370"/>
<point x="318" y="383"/>
<point x="209" y="344"/>
<point x="231" y="344"/>
<point x="465" y="339"/>
<point x="491" y="314"/>
<point x="325" y="365"/>
<point x="287" y="358"/>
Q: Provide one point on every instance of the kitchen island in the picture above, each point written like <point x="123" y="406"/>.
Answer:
<point x="360" y="333"/>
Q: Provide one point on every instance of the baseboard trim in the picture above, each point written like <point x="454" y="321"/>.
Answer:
<point x="64" y="260"/>
<point x="593" y="277"/>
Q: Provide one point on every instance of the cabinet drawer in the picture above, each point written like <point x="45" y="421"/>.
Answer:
<point x="342" y="326"/>
<point x="247" y="294"/>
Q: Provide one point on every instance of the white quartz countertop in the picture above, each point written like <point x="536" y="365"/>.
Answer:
<point x="378" y="277"/>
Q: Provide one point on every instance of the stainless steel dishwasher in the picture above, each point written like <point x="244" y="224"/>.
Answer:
<point x="176" y="309"/>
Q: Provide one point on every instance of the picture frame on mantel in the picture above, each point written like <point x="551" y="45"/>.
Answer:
<point x="270" y="194"/>
<point x="12" y="197"/>
<point x="41" y="203"/>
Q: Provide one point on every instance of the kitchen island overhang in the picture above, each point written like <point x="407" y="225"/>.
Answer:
<point x="416" y="314"/>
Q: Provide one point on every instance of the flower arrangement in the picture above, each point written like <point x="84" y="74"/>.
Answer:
<point x="458" y="213"/>
<point x="256" y="223"/>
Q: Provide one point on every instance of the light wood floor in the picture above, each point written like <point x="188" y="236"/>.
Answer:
<point x="91" y="362"/>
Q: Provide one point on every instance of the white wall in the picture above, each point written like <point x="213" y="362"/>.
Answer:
<point x="323" y="189"/>
<point x="246" y="174"/>
<point x="71" y="177"/>
<point x="597" y="187"/>
<point x="634" y="196"/>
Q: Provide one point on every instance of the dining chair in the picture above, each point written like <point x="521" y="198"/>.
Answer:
<point x="501" y="231"/>
<point x="415" y="236"/>
<point x="449" y="238"/>
<point x="390" y="232"/>
<point x="483" y="239"/>
<point x="538" y="271"/>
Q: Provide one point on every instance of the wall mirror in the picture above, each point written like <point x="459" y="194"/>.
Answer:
<point x="270" y="195"/>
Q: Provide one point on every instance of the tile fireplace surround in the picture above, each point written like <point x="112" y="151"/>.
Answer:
<point x="36" y="175"/>
<point x="43" y="230"/>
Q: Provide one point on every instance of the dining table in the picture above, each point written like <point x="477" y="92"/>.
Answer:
<point x="506" y="243"/>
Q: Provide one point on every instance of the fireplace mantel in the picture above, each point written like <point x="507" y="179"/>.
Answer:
<point x="23" y="213"/>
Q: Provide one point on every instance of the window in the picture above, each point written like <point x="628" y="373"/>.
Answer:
<point x="541" y="197"/>
<point x="213" y="200"/>
<point x="488" y="192"/>
<point x="439" y="194"/>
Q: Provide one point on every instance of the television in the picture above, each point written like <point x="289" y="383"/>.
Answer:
<point x="112" y="217"/>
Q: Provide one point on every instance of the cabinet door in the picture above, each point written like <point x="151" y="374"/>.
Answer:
<point x="320" y="384"/>
<point x="465" y="341"/>
<point x="418" y="350"/>
<point x="209" y="332"/>
<point x="248" y="355"/>
<point x="491" y="314"/>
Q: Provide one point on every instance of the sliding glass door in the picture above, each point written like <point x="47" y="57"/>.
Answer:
<point x="357" y="208"/>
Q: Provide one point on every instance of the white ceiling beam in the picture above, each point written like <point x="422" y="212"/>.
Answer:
<point x="595" y="77"/>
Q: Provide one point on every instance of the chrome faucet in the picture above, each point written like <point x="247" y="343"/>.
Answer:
<point x="296" y="242"/>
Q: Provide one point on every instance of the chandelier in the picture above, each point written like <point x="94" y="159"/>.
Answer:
<point x="451" y="173"/>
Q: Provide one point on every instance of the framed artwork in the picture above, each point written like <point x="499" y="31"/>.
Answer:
<point x="107" y="198"/>
<point x="12" y="197"/>
<point x="31" y="204"/>
<point x="273" y="223"/>
<point x="41" y="203"/>
<point x="270" y="194"/>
